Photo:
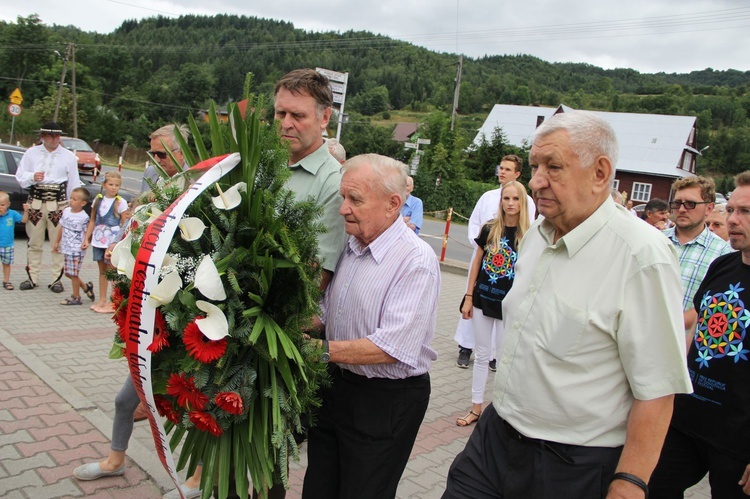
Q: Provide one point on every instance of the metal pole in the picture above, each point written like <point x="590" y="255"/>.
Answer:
<point x="62" y="82"/>
<point x="458" y="90"/>
<point x="12" y="126"/>
<point x="75" y="100"/>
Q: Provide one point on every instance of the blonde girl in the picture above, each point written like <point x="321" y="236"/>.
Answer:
<point x="107" y="215"/>
<point x="490" y="278"/>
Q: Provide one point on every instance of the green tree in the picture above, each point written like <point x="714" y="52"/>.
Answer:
<point x="360" y="136"/>
<point x="483" y="158"/>
<point x="25" y="52"/>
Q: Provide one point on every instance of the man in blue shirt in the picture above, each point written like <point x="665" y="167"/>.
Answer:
<point x="412" y="208"/>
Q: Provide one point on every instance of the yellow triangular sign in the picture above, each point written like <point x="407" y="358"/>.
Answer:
<point x="16" y="97"/>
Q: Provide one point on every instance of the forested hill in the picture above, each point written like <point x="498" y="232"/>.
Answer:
<point x="228" y="46"/>
<point x="160" y="69"/>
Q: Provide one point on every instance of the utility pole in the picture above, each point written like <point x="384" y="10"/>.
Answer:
<point x="75" y="99"/>
<point x="62" y="82"/>
<point x="458" y="90"/>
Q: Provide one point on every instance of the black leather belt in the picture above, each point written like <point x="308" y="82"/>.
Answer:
<point x="555" y="448"/>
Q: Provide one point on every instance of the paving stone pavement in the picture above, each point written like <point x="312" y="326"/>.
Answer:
<point x="57" y="390"/>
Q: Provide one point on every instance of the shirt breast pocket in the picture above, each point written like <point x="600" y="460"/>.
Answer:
<point x="562" y="328"/>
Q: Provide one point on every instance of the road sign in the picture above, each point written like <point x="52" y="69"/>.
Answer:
<point x="333" y="75"/>
<point x="410" y="145"/>
<point x="16" y="98"/>
<point x="423" y="141"/>
<point x="14" y="109"/>
<point x="338" y="88"/>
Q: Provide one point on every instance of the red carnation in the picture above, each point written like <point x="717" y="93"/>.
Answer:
<point x="166" y="409"/>
<point x="204" y="421"/>
<point x="117" y="297"/>
<point x="188" y="395"/>
<point x="121" y="314"/>
<point x="201" y="348"/>
<point x="231" y="402"/>
<point x="161" y="335"/>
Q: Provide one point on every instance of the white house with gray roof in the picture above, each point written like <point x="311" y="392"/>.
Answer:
<point x="655" y="149"/>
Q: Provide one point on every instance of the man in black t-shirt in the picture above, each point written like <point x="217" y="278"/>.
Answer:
<point x="710" y="428"/>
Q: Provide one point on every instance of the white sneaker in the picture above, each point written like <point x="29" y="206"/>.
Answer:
<point x="187" y="492"/>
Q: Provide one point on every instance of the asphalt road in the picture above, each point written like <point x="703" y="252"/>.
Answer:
<point x="131" y="180"/>
<point x="458" y="242"/>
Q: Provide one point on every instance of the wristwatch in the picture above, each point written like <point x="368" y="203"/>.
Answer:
<point x="325" y="356"/>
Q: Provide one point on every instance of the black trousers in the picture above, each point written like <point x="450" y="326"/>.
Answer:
<point x="499" y="462"/>
<point x="684" y="462"/>
<point x="364" y="435"/>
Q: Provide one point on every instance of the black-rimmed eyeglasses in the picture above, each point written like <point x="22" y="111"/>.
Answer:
<point x="689" y="205"/>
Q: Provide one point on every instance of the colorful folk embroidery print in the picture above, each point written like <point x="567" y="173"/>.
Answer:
<point x="722" y="326"/>
<point x="499" y="263"/>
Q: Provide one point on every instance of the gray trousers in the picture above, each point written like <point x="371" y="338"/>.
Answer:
<point x="126" y="403"/>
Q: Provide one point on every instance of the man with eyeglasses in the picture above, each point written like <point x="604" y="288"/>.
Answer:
<point x="162" y="144"/>
<point x="709" y="428"/>
<point x="692" y="203"/>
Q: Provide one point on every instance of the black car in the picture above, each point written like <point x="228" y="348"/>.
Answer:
<point x="9" y="158"/>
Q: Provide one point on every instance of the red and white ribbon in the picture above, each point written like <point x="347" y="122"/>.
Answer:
<point x="141" y="315"/>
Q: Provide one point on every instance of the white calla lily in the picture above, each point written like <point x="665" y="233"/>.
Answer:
<point x="208" y="281"/>
<point x="214" y="326"/>
<point x="122" y="258"/>
<point x="153" y="214"/>
<point x="230" y="198"/>
<point x="191" y="228"/>
<point x="166" y="290"/>
<point x="169" y="260"/>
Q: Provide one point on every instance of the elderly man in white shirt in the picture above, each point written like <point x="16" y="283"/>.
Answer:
<point x="594" y="349"/>
<point x="50" y="173"/>
<point x="509" y="169"/>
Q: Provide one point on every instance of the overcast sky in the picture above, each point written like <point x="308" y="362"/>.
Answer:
<point x="646" y="35"/>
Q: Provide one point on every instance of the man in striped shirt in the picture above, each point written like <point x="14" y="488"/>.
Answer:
<point x="379" y="318"/>
<point x="692" y="203"/>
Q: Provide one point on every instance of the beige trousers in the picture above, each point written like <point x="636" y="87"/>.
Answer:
<point x="44" y="216"/>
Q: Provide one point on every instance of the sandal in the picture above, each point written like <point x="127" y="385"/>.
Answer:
<point x="8" y="285"/>
<point x="89" y="290"/>
<point x="72" y="300"/>
<point x="465" y="421"/>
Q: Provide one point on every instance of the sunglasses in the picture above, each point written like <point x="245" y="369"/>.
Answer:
<point x="160" y="154"/>
<point x="689" y="205"/>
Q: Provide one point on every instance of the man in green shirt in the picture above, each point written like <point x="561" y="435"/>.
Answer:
<point x="302" y="108"/>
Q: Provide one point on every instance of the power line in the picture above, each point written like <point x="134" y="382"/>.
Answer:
<point x="659" y="25"/>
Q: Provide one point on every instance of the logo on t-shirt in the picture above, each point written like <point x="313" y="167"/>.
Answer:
<point x="722" y="326"/>
<point x="499" y="262"/>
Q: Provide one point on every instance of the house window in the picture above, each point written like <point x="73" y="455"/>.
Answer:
<point x="641" y="192"/>
<point x="616" y="185"/>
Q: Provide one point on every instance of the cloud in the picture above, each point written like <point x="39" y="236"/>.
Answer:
<point x="669" y="35"/>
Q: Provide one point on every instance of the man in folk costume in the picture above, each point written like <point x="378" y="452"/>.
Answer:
<point x="50" y="173"/>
